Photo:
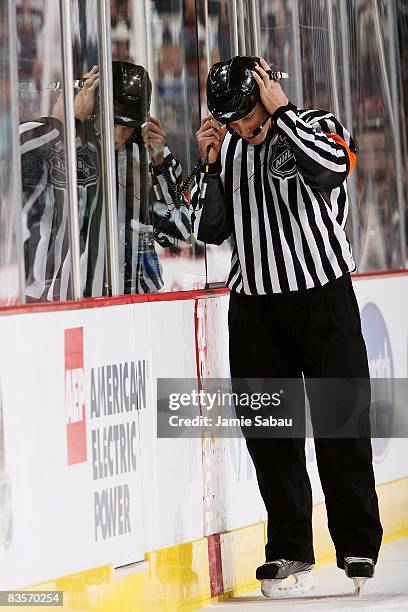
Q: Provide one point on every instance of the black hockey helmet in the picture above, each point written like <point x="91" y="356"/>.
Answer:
<point x="232" y="91"/>
<point x="132" y="90"/>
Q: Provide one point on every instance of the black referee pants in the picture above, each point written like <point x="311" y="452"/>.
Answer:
<point x="316" y="332"/>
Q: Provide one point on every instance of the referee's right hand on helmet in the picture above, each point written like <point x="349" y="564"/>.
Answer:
<point x="210" y="133"/>
<point x="85" y="98"/>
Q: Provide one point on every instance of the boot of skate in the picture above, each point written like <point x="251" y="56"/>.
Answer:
<point x="359" y="569"/>
<point x="285" y="578"/>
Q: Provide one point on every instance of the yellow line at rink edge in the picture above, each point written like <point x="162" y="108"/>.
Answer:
<point x="178" y="577"/>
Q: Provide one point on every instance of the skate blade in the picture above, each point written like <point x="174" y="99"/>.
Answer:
<point x="359" y="583"/>
<point x="296" y="585"/>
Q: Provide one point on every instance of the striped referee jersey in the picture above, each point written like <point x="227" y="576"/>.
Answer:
<point x="140" y="208"/>
<point x="284" y="203"/>
<point x="45" y="210"/>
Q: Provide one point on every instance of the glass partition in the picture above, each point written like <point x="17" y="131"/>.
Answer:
<point x="44" y="166"/>
<point x="316" y="54"/>
<point x="43" y="153"/>
<point x="221" y="33"/>
<point x="90" y="152"/>
<point x="221" y="30"/>
<point x="173" y="29"/>
<point x="378" y="125"/>
<point x="157" y="42"/>
<point x="279" y="43"/>
<point x="401" y="67"/>
<point x="349" y="57"/>
<point x="9" y="162"/>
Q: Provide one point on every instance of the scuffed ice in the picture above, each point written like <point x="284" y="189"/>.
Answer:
<point x="386" y="592"/>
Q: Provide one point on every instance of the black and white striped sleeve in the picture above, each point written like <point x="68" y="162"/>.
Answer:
<point x="323" y="148"/>
<point x="37" y="134"/>
<point x="211" y="220"/>
<point x="36" y="138"/>
<point x="171" y="215"/>
<point x="167" y="176"/>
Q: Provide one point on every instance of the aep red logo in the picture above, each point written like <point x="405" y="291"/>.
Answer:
<point x="75" y="395"/>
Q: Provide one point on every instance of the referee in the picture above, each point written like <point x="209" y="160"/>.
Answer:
<point x="275" y="184"/>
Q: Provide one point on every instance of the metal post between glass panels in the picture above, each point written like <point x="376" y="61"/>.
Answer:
<point x="333" y="67"/>
<point x="242" y="47"/>
<point x="186" y="121"/>
<point x="66" y="30"/>
<point x="297" y="53"/>
<point x="351" y="182"/>
<point x="108" y="149"/>
<point x="254" y="25"/>
<point x="396" y="129"/>
<point x="142" y="20"/>
<point x="390" y="97"/>
<point x="234" y="27"/>
<point x="16" y="164"/>
<point x="207" y="34"/>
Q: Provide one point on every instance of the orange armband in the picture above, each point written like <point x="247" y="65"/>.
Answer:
<point x="351" y="156"/>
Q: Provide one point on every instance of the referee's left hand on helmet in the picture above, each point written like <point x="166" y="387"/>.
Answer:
<point x="271" y="93"/>
<point x="85" y="99"/>
<point x="210" y="133"/>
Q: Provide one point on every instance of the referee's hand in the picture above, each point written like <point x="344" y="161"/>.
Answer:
<point x="85" y="99"/>
<point x="270" y="91"/>
<point x="210" y="133"/>
<point x="154" y="138"/>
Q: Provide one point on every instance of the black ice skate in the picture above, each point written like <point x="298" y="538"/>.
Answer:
<point x="359" y="569"/>
<point x="283" y="578"/>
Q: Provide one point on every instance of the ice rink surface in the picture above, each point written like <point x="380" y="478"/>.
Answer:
<point x="386" y="592"/>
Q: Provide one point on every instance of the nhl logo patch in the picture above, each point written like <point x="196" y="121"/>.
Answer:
<point x="87" y="166"/>
<point x="56" y="168"/>
<point x="282" y="162"/>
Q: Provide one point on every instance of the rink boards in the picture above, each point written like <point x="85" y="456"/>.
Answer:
<point x="75" y="381"/>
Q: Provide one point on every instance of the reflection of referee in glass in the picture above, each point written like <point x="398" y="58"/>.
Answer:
<point x="275" y="182"/>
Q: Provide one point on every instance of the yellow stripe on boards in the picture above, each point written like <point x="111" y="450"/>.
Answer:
<point x="178" y="578"/>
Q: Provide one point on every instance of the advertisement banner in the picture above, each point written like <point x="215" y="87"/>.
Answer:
<point x="84" y="379"/>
